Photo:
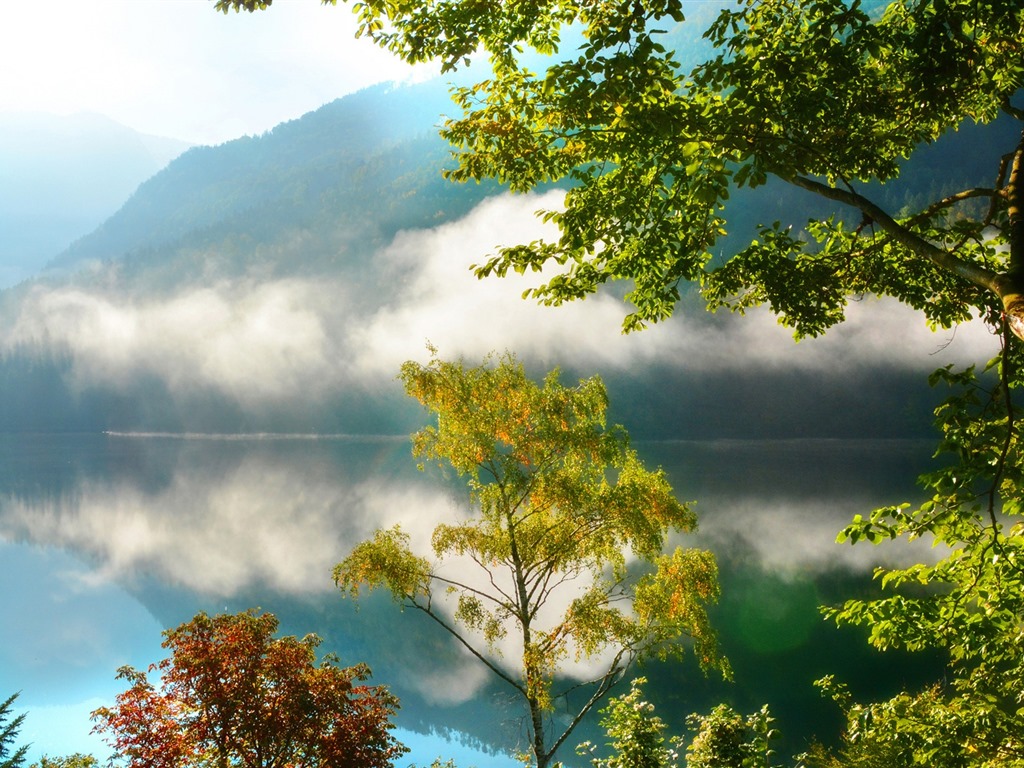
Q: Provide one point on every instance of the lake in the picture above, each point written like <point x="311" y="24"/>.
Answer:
<point x="107" y="539"/>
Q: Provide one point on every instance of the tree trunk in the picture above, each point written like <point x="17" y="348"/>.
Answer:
<point x="1013" y="293"/>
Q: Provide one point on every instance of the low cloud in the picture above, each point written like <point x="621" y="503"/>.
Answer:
<point x="254" y="342"/>
<point x="438" y="298"/>
<point x="285" y="340"/>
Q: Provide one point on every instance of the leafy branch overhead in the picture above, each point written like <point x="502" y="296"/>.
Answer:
<point x="827" y="96"/>
<point x="563" y="557"/>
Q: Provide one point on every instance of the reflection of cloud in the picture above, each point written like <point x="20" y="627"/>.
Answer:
<point x="799" y="536"/>
<point x="259" y="524"/>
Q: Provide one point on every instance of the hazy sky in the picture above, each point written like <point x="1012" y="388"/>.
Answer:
<point x="177" y="68"/>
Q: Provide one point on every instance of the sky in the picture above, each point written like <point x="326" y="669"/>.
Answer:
<point x="179" y="69"/>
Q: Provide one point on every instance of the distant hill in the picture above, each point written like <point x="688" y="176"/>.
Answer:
<point x="62" y="177"/>
<point x="306" y="198"/>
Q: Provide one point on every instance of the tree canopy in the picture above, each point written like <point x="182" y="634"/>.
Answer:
<point x="563" y="554"/>
<point x="231" y="694"/>
<point x="825" y="95"/>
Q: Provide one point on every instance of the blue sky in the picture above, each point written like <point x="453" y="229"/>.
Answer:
<point x="178" y="68"/>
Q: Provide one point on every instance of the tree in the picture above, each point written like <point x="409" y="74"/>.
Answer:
<point x="562" y="505"/>
<point x="726" y="739"/>
<point x="967" y="603"/>
<point x="8" y="733"/>
<point x="822" y="95"/>
<point x="232" y="695"/>
<point x="722" y="739"/>
<point x="636" y="735"/>
<point x="77" y="760"/>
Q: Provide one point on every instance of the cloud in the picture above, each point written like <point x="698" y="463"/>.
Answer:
<point x="254" y="342"/>
<point x="299" y="341"/>
<point x="436" y="297"/>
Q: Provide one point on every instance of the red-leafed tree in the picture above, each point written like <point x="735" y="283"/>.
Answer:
<point x="231" y="694"/>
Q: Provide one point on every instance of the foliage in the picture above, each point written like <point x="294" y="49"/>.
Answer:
<point x="968" y="601"/>
<point x="232" y="694"/>
<point x="635" y="733"/>
<point x="9" y="727"/>
<point x="819" y="94"/>
<point x="722" y="739"/>
<point x="563" y="506"/>
<point x="77" y="760"/>
<point x="726" y="739"/>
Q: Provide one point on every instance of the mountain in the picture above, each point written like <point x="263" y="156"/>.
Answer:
<point x="62" y="177"/>
<point x="341" y="179"/>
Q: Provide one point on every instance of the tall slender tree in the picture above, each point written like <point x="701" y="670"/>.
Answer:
<point x="9" y="728"/>
<point x="563" y="554"/>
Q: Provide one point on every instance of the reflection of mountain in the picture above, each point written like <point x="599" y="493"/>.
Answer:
<point x="62" y="176"/>
<point x="275" y="283"/>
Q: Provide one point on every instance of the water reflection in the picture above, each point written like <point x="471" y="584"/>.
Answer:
<point x="106" y="539"/>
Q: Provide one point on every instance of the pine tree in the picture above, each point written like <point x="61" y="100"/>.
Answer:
<point x="8" y="733"/>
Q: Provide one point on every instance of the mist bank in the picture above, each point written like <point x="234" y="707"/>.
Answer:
<point x="277" y="282"/>
<point x="297" y="354"/>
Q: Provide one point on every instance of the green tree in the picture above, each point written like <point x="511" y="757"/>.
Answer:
<point x="231" y="694"/>
<point x="635" y="734"/>
<point x="722" y="739"/>
<point x="77" y="760"/>
<point x="562" y="506"/>
<point x="726" y="739"/>
<point x="822" y="95"/>
<point x="968" y="602"/>
<point x="9" y="727"/>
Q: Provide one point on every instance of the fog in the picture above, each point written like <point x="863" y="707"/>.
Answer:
<point x="280" y="341"/>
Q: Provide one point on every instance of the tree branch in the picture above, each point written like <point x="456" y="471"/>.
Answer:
<point x="946" y="202"/>
<point x="465" y="643"/>
<point x="978" y="275"/>
<point x="613" y="676"/>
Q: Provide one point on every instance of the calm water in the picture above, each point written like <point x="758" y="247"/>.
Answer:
<point x="105" y="540"/>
